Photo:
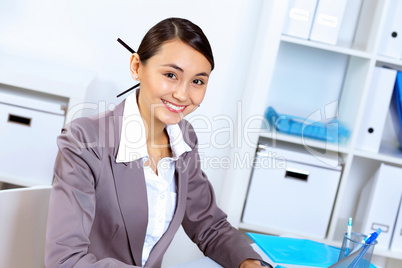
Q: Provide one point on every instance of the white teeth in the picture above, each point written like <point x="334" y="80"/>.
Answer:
<point x="174" y="107"/>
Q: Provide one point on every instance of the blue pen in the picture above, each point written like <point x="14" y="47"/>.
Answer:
<point x="348" y="235"/>
<point x="368" y="240"/>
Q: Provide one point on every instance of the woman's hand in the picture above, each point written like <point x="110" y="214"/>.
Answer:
<point x="249" y="263"/>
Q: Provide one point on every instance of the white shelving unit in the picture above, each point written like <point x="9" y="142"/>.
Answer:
<point x="45" y="80"/>
<point x="320" y="74"/>
<point x="35" y="86"/>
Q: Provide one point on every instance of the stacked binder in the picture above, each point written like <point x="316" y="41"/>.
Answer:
<point x="379" y="204"/>
<point x="396" y="242"/>
<point x="376" y="109"/>
<point x="334" y="22"/>
<point x="391" y="41"/>
<point x="326" y="21"/>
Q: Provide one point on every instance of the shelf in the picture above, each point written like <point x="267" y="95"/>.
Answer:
<point x="310" y="78"/>
<point x="390" y="62"/>
<point x="337" y="49"/>
<point x="388" y="153"/>
<point x="306" y="142"/>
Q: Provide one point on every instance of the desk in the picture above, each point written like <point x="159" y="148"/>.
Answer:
<point x="208" y="263"/>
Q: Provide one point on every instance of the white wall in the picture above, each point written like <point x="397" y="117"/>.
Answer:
<point x="84" y="33"/>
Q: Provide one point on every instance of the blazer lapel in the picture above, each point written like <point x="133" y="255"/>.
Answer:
<point x="132" y="197"/>
<point x="159" y="249"/>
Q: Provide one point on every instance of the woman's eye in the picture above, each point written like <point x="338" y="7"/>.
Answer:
<point x="171" y="75"/>
<point x="198" y="82"/>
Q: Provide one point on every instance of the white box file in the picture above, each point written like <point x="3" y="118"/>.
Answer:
<point x="28" y="139"/>
<point x="379" y="203"/>
<point x="294" y="194"/>
<point x="349" y="23"/>
<point x="396" y="243"/>
<point x="300" y="17"/>
<point x="391" y="40"/>
<point x="327" y="21"/>
<point x="375" y="112"/>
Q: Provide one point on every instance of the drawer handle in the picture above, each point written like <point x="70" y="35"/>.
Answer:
<point x="16" y="119"/>
<point x="296" y="174"/>
<point x="376" y="225"/>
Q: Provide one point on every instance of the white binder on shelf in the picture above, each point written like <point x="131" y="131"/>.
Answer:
<point x="391" y="40"/>
<point x="379" y="203"/>
<point x="376" y="109"/>
<point x="396" y="243"/>
<point x="300" y="17"/>
<point x="349" y="23"/>
<point x="327" y="21"/>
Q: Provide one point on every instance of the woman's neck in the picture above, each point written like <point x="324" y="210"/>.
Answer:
<point x="154" y="129"/>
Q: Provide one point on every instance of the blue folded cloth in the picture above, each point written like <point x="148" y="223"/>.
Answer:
<point x="333" y="131"/>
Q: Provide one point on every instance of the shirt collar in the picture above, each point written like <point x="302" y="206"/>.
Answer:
<point x="133" y="143"/>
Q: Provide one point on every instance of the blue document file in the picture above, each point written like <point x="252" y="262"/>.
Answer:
<point x="332" y="131"/>
<point x="296" y="251"/>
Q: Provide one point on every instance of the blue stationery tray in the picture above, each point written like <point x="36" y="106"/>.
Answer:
<point x="286" y="250"/>
<point x="333" y="131"/>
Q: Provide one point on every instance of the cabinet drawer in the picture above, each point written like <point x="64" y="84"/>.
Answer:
<point x="28" y="144"/>
<point x="289" y="195"/>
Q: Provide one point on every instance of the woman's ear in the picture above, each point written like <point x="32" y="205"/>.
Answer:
<point x="135" y="66"/>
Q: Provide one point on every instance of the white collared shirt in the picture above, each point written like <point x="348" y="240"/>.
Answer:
<point x="161" y="188"/>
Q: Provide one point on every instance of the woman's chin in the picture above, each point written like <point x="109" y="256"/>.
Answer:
<point x="172" y="120"/>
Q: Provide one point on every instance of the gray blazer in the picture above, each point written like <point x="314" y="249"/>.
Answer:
<point x="98" y="208"/>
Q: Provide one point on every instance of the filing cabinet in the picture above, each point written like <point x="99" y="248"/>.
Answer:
<point x="292" y="192"/>
<point x="28" y="131"/>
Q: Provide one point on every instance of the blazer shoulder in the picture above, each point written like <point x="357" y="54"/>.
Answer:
<point x="189" y="135"/>
<point x="94" y="131"/>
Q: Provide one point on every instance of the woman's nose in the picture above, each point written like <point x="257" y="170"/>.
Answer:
<point x="181" y="93"/>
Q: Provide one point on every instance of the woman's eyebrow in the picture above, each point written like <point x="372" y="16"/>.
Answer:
<point x="202" y="74"/>
<point x="174" y="66"/>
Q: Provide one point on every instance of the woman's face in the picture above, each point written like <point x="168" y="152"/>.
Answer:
<point x="173" y="82"/>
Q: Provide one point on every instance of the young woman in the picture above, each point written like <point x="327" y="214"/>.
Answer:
<point x="125" y="180"/>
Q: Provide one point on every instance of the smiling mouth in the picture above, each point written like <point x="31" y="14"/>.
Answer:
<point x="173" y="107"/>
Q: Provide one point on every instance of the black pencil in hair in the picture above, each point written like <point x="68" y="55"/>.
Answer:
<point x="125" y="45"/>
<point x="128" y="90"/>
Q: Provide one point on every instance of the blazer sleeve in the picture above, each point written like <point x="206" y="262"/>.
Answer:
<point x="72" y="204"/>
<point x="207" y="225"/>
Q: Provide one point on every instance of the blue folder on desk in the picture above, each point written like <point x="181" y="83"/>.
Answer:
<point x="286" y="250"/>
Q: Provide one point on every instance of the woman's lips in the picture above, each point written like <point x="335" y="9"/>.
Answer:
<point x="174" y="107"/>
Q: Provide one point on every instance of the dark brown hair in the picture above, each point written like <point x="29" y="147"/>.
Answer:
<point x="171" y="29"/>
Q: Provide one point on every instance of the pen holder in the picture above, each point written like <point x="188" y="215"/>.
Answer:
<point x="354" y="252"/>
